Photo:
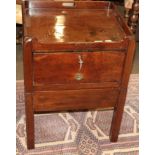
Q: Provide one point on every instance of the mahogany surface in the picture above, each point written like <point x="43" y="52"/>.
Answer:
<point x="97" y="67"/>
<point x="77" y="55"/>
<point x="65" y="99"/>
<point x="64" y="25"/>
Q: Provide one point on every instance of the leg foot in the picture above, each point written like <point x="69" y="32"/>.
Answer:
<point x="117" y="117"/>
<point x="29" y="121"/>
<point x="115" y="126"/>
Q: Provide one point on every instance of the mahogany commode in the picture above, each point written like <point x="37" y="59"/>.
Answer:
<point x="77" y="55"/>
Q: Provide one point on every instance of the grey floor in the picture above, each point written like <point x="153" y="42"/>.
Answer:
<point x="19" y="62"/>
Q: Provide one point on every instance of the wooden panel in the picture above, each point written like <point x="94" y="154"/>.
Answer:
<point x="84" y="22"/>
<point x="50" y="87"/>
<point x="27" y="61"/>
<point x="61" y="68"/>
<point x="76" y="4"/>
<point x="75" y="99"/>
<point x="118" y="112"/>
<point x="74" y="47"/>
<point x="29" y="120"/>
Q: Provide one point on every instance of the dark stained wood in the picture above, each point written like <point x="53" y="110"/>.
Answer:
<point x="122" y="22"/>
<point x="118" y="111"/>
<point x="80" y="46"/>
<point x="75" y="58"/>
<point x="75" y="99"/>
<point x="64" y="25"/>
<point x="27" y="55"/>
<point x="27" y="59"/>
<point x="62" y="68"/>
<point x="77" y="86"/>
<point x="76" y="4"/>
<point x="29" y="120"/>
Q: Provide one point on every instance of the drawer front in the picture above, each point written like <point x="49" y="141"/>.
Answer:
<point x="75" y="99"/>
<point x="86" y="67"/>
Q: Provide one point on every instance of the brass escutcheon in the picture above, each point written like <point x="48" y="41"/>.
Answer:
<point x="78" y="76"/>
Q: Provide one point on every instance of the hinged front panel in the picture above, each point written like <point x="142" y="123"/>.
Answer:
<point x="82" y="67"/>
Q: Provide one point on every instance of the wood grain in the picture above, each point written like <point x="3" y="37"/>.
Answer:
<point x="29" y="120"/>
<point x="90" y="40"/>
<point x="118" y="111"/>
<point x="75" y="99"/>
<point x="62" y="68"/>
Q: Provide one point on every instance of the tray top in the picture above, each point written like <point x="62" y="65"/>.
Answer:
<point x="50" y="25"/>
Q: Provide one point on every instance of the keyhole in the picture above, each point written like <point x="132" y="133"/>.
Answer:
<point x="80" y="62"/>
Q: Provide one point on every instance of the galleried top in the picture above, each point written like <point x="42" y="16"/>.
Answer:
<point x="92" y="21"/>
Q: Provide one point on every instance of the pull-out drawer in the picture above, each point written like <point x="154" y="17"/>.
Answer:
<point x="82" y="67"/>
<point x="75" y="99"/>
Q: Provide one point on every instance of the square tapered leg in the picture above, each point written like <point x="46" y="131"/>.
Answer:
<point x="29" y="121"/>
<point x="117" y="116"/>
